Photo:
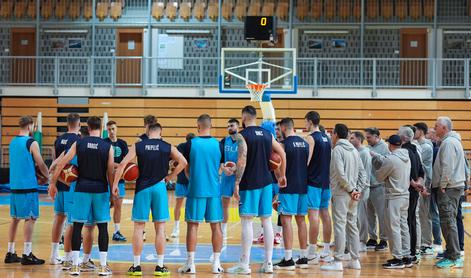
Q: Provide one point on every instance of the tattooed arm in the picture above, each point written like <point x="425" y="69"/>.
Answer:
<point x="241" y="162"/>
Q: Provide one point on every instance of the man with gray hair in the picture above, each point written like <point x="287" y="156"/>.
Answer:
<point x="417" y="175"/>
<point x="449" y="178"/>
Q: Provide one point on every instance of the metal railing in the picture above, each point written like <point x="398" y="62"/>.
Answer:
<point x="202" y="72"/>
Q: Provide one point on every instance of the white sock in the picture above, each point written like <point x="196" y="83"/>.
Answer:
<point x="28" y="246"/>
<point x="75" y="257"/>
<point x="268" y="238"/>
<point x="224" y="228"/>
<point x="137" y="260"/>
<point x="67" y="256"/>
<point x="117" y="226"/>
<point x="160" y="260"/>
<point x="247" y="238"/>
<point x="327" y="246"/>
<point x="54" y="250"/>
<point x="303" y="253"/>
<point x="11" y="247"/>
<point x="86" y="257"/>
<point x="177" y="224"/>
<point x="191" y="257"/>
<point x="103" y="256"/>
<point x="312" y="250"/>
<point x="217" y="258"/>
<point x="288" y="255"/>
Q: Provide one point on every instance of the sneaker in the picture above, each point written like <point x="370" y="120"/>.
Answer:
<point x="277" y="239"/>
<point x="87" y="266"/>
<point x="382" y="246"/>
<point x="353" y="264"/>
<point x="324" y="254"/>
<point x="314" y="260"/>
<point x="66" y="265"/>
<point x="260" y="239"/>
<point x="144" y="235"/>
<point x="394" y="264"/>
<point x="135" y="271"/>
<point x="217" y="269"/>
<point x="427" y="251"/>
<point x="415" y="259"/>
<point x="459" y="263"/>
<point x="302" y="263"/>
<point x="407" y="262"/>
<point x="371" y="244"/>
<point x="445" y="263"/>
<point x="104" y="270"/>
<point x="333" y="266"/>
<point x="61" y="243"/>
<point x="117" y="236"/>
<point x="187" y="268"/>
<point x="12" y="258"/>
<point x="175" y="233"/>
<point x="285" y="265"/>
<point x="240" y="268"/>
<point x="31" y="260"/>
<point x="161" y="271"/>
<point x="438" y="248"/>
<point x="363" y="247"/>
<point x="440" y="255"/>
<point x="55" y="261"/>
<point x="462" y="253"/>
<point x="74" y="270"/>
<point x="267" y="267"/>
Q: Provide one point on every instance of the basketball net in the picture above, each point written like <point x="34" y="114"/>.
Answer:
<point x="256" y="91"/>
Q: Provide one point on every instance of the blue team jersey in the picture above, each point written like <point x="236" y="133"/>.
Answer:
<point x="63" y="144"/>
<point x="181" y="178"/>
<point x="259" y="147"/>
<point x="230" y="154"/>
<point x="204" y="155"/>
<point x="22" y="166"/>
<point x="92" y="158"/>
<point x="297" y="155"/>
<point x="318" y="168"/>
<point x="153" y="157"/>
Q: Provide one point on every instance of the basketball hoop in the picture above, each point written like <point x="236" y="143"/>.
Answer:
<point x="256" y="91"/>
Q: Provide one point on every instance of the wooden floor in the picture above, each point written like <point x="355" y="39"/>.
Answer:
<point x="371" y="261"/>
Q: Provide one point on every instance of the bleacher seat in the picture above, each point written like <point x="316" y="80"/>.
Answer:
<point x="46" y="9"/>
<point x="241" y="9"/>
<point x="268" y="8"/>
<point x="116" y="10"/>
<point x="372" y="9"/>
<point x="415" y="9"/>
<point x="227" y="6"/>
<point x="199" y="10"/>
<point x="31" y="11"/>
<point x="60" y="9"/>
<point x="282" y="10"/>
<point x="387" y="9"/>
<point x="74" y="9"/>
<point x="213" y="10"/>
<point x="19" y="10"/>
<point x="102" y="10"/>
<point x="345" y="7"/>
<point x="158" y="10"/>
<point x="469" y="7"/>
<point x="357" y="9"/>
<point x="185" y="10"/>
<point x="401" y="9"/>
<point x="330" y="7"/>
<point x="6" y="8"/>
<point x="254" y="8"/>
<point x="87" y="10"/>
<point x="429" y="9"/>
<point x="316" y="9"/>
<point x="171" y="10"/>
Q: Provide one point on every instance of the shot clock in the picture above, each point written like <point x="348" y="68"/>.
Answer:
<point x="260" y="28"/>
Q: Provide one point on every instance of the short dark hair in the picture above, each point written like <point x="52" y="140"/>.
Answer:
<point x="190" y="136"/>
<point x="359" y="135"/>
<point x="94" y="123"/>
<point x="421" y="126"/>
<point x="73" y="119"/>
<point x="313" y="117"/>
<point x="322" y="128"/>
<point x="249" y="110"/>
<point x="278" y="123"/>
<point x="205" y="120"/>
<point x="154" y="126"/>
<point x="233" y="121"/>
<point x="287" y="122"/>
<point x="373" y="131"/>
<point x="341" y="130"/>
<point x="149" y="119"/>
<point x="25" y="121"/>
<point x="110" y="123"/>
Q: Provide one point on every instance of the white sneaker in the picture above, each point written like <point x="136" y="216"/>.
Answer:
<point x="175" y="233"/>
<point x="187" y="268"/>
<point x="55" y="261"/>
<point x="333" y="266"/>
<point x="325" y="256"/>
<point x="217" y="269"/>
<point x="267" y="267"/>
<point x="104" y="270"/>
<point x="353" y="264"/>
<point x="462" y="253"/>
<point x="313" y="260"/>
<point x="347" y="257"/>
<point x="74" y="270"/>
<point x="363" y="247"/>
<point x="438" y="248"/>
<point x="240" y="268"/>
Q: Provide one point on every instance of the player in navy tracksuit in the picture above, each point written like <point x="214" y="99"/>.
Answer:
<point x="92" y="195"/>
<point x="254" y="186"/>
<point x="24" y="200"/>
<point x="153" y="157"/>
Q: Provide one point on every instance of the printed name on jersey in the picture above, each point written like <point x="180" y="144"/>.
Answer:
<point x="299" y="144"/>
<point x="258" y="133"/>
<point x="64" y="141"/>
<point x="324" y="139"/>
<point x="152" y="147"/>
<point x="92" y="146"/>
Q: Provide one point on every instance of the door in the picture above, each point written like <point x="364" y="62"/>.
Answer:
<point x="129" y="44"/>
<point x="23" y="43"/>
<point x="414" y="45"/>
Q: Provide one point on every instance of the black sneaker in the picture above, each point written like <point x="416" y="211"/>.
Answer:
<point x="415" y="259"/>
<point x="161" y="271"/>
<point x="285" y="265"/>
<point x="11" y="258"/>
<point x="371" y="244"/>
<point x="382" y="246"/>
<point x="31" y="260"/>
<point x="302" y="263"/>
<point x="135" y="271"/>
<point x="394" y="264"/>
<point x="407" y="262"/>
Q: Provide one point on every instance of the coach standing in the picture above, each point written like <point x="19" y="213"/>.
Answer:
<point x="449" y="178"/>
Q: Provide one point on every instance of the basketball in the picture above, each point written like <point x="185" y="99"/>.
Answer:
<point x="40" y="178"/>
<point x="131" y="172"/>
<point x="275" y="161"/>
<point x="69" y="174"/>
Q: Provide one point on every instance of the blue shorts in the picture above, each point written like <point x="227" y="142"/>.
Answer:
<point x="198" y="210"/>
<point x="275" y="189"/>
<point x="91" y="208"/>
<point x="318" y="198"/>
<point x="181" y="190"/>
<point x="256" y="202"/>
<point x="153" y="199"/>
<point x="227" y="190"/>
<point x="292" y="204"/>
<point x="59" y="203"/>
<point x="24" y="205"/>
<point x="122" y="189"/>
